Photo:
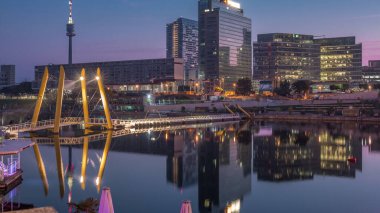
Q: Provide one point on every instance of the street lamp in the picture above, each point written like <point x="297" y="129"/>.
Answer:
<point x="196" y="87"/>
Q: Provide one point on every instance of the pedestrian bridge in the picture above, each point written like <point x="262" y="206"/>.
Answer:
<point x="111" y="124"/>
<point x="128" y="126"/>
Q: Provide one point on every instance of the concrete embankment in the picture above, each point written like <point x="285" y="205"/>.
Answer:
<point x="219" y="106"/>
<point x="310" y="118"/>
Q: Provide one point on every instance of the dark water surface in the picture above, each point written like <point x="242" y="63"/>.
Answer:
<point x="266" y="167"/>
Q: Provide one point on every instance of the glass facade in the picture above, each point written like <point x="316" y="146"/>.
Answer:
<point x="341" y="59"/>
<point x="224" y="43"/>
<point x="182" y="42"/>
<point x="281" y="56"/>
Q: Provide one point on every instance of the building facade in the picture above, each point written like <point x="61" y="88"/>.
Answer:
<point x="182" y="42"/>
<point x="341" y="59"/>
<point x="282" y="56"/>
<point x="225" y="51"/>
<point x="134" y="72"/>
<point x="371" y="73"/>
<point x="8" y="75"/>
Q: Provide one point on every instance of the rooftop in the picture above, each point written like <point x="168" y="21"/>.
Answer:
<point x="13" y="147"/>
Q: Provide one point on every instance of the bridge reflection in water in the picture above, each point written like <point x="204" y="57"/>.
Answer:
<point x="221" y="158"/>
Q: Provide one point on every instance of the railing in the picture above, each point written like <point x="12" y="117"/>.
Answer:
<point x="116" y="134"/>
<point x="41" y="124"/>
<point x="24" y="127"/>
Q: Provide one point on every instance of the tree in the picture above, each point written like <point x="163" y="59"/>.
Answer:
<point x="17" y="90"/>
<point x="244" y="87"/>
<point x="284" y="89"/>
<point x="345" y="87"/>
<point x="376" y="86"/>
<point x="334" y="87"/>
<point x="301" y="86"/>
<point x="363" y="86"/>
<point x="90" y="205"/>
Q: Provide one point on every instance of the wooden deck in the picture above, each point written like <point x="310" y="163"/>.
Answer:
<point x="38" y="210"/>
<point x="13" y="147"/>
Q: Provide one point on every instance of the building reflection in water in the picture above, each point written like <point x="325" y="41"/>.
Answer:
<point x="221" y="159"/>
<point x="224" y="169"/>
<point x="218" y="159"/>
<point x="284" y="153"/>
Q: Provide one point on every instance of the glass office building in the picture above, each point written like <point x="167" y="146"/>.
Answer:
<point x="341" y="59"/>
<point x="282" y="56"/>
<point x="182" y="42"/>
<point x="225" y="50"/>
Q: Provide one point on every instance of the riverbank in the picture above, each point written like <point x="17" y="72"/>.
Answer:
<point x="322" y="118"/>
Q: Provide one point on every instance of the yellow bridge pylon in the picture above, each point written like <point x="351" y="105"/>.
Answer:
<point x="58" y="110"/>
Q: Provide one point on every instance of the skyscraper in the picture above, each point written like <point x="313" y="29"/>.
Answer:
<point x="182" y="42"/>
<point x="225" y="51"/>
<point x="283" y="56"/>
<point x="341" y="59"/>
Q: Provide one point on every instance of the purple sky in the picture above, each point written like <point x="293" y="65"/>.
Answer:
<point x="33" y="32"/>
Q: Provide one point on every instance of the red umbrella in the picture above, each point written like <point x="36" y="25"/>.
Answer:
<point x="106" y="205"/>
<point x="186" y="207"/>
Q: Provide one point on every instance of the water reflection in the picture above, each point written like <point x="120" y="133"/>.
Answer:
<point x="103" y="160"/>
<point x="284" y="153"/>
<point x="41" y="168"/>
<point x="220" y="161"/>
<point x="58" y="156"/>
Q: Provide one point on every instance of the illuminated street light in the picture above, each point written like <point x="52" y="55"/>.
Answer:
<point x="81" y="78"/>
<point x="97" y="78"/>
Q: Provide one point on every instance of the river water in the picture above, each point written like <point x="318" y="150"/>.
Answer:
<point x="261" y="167"/>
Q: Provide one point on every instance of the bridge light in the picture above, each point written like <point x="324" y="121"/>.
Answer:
<point x="81" y="78"/>
<point x="97" y="78"/>
<point x="97" y="181"/>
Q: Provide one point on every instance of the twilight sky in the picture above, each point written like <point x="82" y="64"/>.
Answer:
<point x="32" y="32"/>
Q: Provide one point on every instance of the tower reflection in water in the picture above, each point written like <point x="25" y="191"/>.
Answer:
<point x="221" y="159"/>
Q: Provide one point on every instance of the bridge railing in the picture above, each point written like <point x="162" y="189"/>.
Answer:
<point x="41" y="124"/>
<point x="116" y="122"/>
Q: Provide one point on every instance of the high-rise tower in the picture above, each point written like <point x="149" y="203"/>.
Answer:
<point x="182" y="42"/>
<point x="225" y="51"/>
<point x="70" y="32"/>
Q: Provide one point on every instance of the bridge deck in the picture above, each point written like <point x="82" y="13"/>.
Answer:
<point x="126" y="124"/>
